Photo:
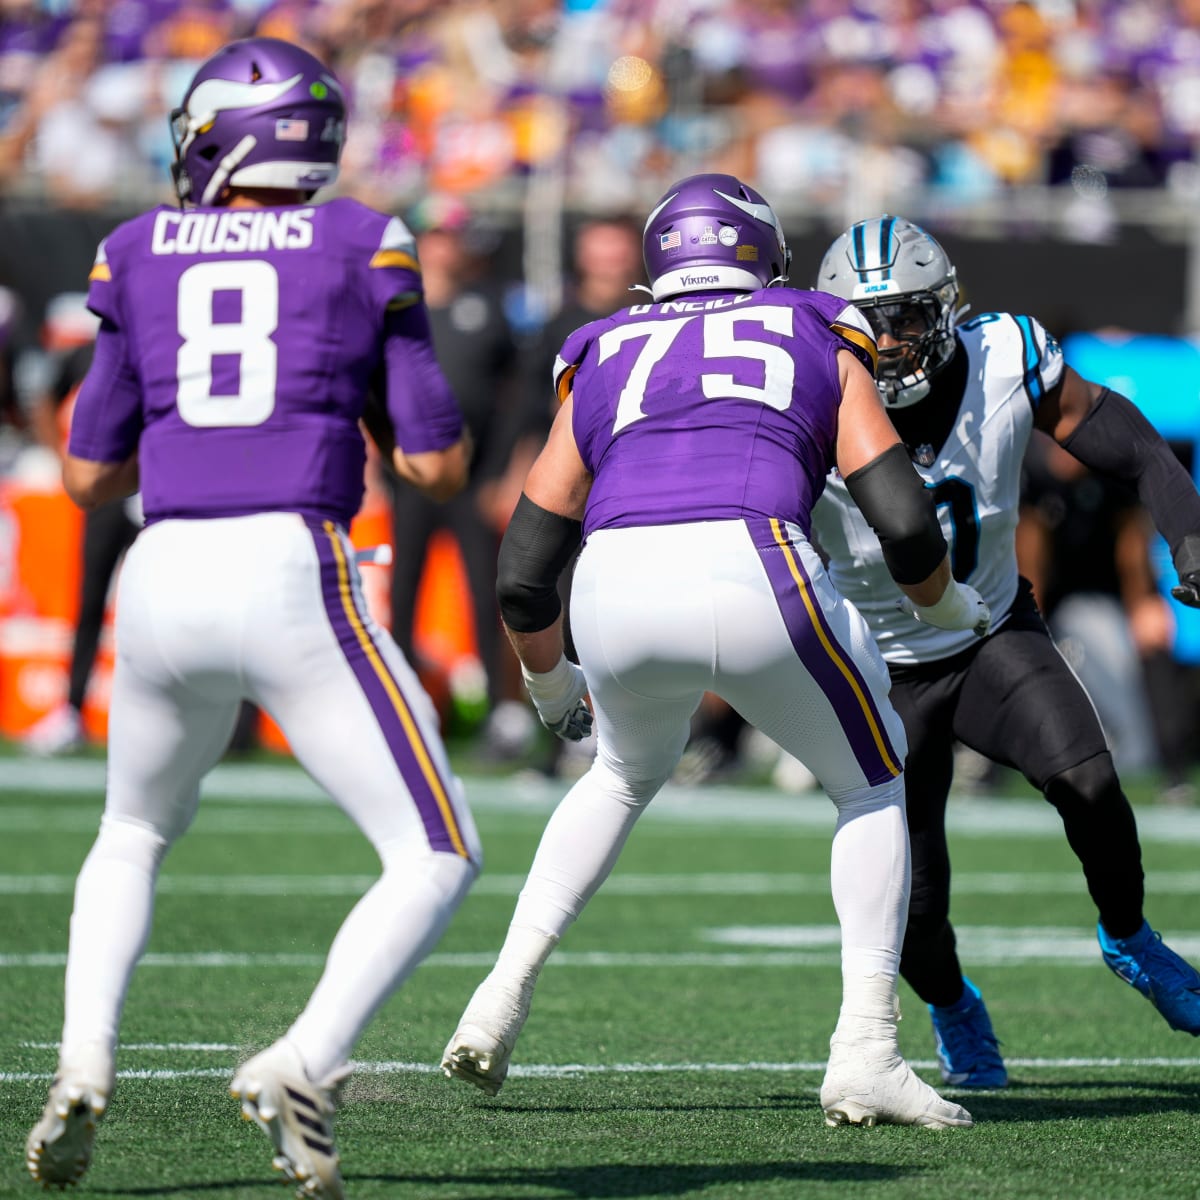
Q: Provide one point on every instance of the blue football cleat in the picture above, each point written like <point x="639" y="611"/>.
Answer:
<point x="967" y="1049"/>
<point x="1169" y="982"/>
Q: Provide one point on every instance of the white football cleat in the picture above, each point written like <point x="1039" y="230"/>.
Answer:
<point x="868" y="1083"/>
<point x="296" y="1114"/>
<point x="59" y="1148"/>
<point x="487" y="1032"/>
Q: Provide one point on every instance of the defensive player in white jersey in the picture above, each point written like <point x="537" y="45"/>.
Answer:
<point x="694" y="434"/>
<point x="239" y="339"/>
<point x="966" y="399"/>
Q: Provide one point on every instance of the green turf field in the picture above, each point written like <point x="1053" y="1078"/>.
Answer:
<point x="676" y="1043"/>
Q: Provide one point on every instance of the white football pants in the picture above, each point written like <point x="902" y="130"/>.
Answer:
<point x="266" y="608"/>
<point x="743" y="609"/>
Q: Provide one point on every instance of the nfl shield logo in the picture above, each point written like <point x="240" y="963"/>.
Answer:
<point x="925" y="455"/>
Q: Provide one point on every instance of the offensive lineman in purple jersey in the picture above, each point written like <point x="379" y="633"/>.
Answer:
<point x="238" y="342"/>
<point x="966" y="399"/>
<point x="692" y="442"/>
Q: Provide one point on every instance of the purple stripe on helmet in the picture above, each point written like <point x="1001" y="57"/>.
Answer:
<point x="825" y="659"/>
<point x="384" y="694"/>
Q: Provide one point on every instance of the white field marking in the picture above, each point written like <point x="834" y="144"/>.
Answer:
<point x="760" y="883"/>
<point x="190" y="1047"/>
<point x="629" y="885"/>
<point x="256" y="785"/>
<point x="570" y="1070"/>
<point x="758" y="946"/>
<point x="991" y="944"/>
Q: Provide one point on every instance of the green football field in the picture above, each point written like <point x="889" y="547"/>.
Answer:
<point x="676" y="1043"/>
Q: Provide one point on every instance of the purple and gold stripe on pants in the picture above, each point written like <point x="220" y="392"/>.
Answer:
<point x="385" y="696"/>
<point x="825" y="660"/>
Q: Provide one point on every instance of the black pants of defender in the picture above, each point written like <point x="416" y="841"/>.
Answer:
<point x="1012" y="698"/>
<point x="108" y="532"/>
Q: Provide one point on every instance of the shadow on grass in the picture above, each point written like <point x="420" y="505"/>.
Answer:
<point x="1112" y="1099"/>
<point x="613" y="1181"/>
<point x="593" y="1182"/>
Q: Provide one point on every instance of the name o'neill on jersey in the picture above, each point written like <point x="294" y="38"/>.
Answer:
<point x="232" y="232"/>
<point x="684" y="306"/>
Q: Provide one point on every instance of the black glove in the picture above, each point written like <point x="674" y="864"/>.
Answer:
<point x="1188" y="591"/>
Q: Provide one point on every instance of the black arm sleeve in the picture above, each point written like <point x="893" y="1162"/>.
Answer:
<point x="537" y="545"/>
<point x="1115" y="439"/>
<point x="890" y="494"/>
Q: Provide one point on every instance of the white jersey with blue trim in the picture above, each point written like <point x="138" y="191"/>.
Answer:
<point x="975" y="478"/>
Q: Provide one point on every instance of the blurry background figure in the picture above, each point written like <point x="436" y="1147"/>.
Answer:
<point x="13" y="420"/>
<point x="477" y="352"/>
<point x="1085" y="545"/>
<point x="68" y="337"/>
<point x="606" y="261"/>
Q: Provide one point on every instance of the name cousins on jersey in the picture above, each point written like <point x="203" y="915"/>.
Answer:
<point x="232" y="231"/>
<point x="684" y="306"/>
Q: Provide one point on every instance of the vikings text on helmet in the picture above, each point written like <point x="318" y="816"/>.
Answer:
<point x="260" y="113"/>
<point x="906" y="286"/>
<point x="713" y="233"/>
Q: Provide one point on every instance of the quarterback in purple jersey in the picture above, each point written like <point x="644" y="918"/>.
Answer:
<point x="692" y="442"/>
<point x="240" y="340"/>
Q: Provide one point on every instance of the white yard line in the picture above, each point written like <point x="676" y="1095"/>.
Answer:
<point x="259" y="786"/>
<point x="751" y="883"/>
<point x="749" y="946"/>
<point x="569" y="1070"/>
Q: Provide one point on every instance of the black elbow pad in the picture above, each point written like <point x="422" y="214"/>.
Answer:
<point x="1117" y="440"/>
<point x="896" y="504"/>
<point x="537" y="545"/>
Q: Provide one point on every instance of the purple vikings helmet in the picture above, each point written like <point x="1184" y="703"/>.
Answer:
<point x="261" y="113"/>
<point x="713" y="233"/>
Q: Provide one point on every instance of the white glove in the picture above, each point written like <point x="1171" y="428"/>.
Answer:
<point x="961" y="607"/>
<point x="558" y="695"/>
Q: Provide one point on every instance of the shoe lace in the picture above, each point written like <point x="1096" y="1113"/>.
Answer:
<point x="1165" y="968"/>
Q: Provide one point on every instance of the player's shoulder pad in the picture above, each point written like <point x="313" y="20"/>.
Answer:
<point x="113" y="246"/>
<point x="385" y="242"/>
<point x="1029" y="351"/>
<point x="573" y="351"/>
<point x="847" y="323"/>
<point x="1017" y="331"/>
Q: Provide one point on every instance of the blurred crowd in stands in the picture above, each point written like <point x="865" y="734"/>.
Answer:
<point x="961" y="99"/>
<point x="464" y="109"/>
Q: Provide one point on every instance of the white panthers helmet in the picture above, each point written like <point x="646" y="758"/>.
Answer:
<point x="902" y="281"/>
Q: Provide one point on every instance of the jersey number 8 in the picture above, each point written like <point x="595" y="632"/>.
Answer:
<point x="248" y="340"/>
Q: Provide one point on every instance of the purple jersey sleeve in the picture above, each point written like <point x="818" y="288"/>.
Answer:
<point x="423" y="410"/>
<point x="106" y="421"/>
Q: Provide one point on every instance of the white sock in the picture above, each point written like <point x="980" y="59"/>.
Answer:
<point x="522" y="956"/>
<point x="381" y="942"/>
<point x="579" y="848"/>
<point x="870" y="880"/>
<point x="110" y="925"/>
